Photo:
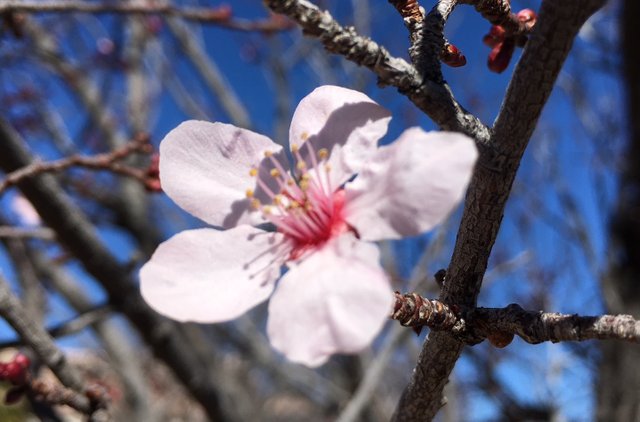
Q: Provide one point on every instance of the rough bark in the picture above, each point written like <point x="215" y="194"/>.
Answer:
<point x="491" y="183"/>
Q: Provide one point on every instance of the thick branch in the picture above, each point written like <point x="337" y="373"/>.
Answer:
<point x="489" y="189"/>
<point x="435" y="99"/>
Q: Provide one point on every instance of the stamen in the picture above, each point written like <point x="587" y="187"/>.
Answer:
<point x="253" y="172"/>
<point x="249" y="193"/>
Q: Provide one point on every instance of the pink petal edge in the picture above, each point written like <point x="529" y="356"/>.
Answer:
<point x="345" y="122"/>
<point x="334" y="301"/>
<point x="207" y="275"/>
<point x="205" y="168"/>
<point x="411" y="185"/>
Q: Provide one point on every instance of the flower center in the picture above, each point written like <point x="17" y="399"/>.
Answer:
<point x="302" y="204"/>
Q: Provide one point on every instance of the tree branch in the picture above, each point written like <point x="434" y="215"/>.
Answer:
<point x="489" y="189"/>
<point x="498" y="12"/>
<point x="106" y="161"/>
<point x="37" y="338"/>
<point x="72" y="326"/>
<point x="220" y="15"/>
<point x="434" y="99"/>
<point x="474" y="325"/>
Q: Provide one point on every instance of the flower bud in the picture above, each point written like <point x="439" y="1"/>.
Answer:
<point x="500" y="56"/>
<point x="452" y="56"/>
<point x="495" y="36"/>
<point x="22" y="360"/>
<point x="16" y="373"/>
<point x="527" y="17"/>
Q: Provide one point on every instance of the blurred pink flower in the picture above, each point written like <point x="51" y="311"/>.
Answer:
<point x="25" y="212"/>
<point x="335" y="296"/>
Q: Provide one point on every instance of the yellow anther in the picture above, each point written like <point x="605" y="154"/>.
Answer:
<point x="294" y="148"/>
<point x="249" y="193"/>
<point x="277" y="199"/>
<point x="305" y="176"/>
<point x="304" y="184"/>
<point x="255" y="204"/>
<point x="304" y="136"/>
<point x="268" y="154"/>
<point x="301" y="165"/>
<point x="294" y="205"/>
<point x="290" y="182"/>
<point x="253" y="172"/>
<point x="275" y="173"/>
<point x="323" y="153"/>
<point x="266" y="209"/>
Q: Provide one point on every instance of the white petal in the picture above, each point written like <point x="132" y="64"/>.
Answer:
<point x="207" y="275"/>
<point x="204" y="168"/>
<point x="345" y="122"/>
<point x="334" y="301"/>
<point x="410" y="186"/>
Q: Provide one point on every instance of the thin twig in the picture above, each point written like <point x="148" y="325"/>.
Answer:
<point x="37" y="338"/>
<point x="105" y="161"/>
<point x="211" y="74"/>
<point x="70" y="327"/>
<point x="433" y="98"/>
<point x="220" y="15"/>
<point x="498" y="12"/>
<point x="12" y="232"/>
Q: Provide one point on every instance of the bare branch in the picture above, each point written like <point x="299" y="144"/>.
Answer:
<point x="37" y="338"/>
<point x="220" y="15"/>
<point x="210" y="72"/>
<point x="72" y="326"/>
<point x="489" y="189"/>
<point x="498" y="12"/>
<point x="435" y="99"/>
<point x="106" y="161"/>
<point x="472" y="326"/>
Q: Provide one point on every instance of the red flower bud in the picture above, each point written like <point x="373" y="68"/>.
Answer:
<point x="153" y="185"/>
<point x="16" y="373"/>
<point x="500" y="56"/>
<point x="528" y="17"/>
<point x="452" y="56"/>
<point x="495" y="36"/>
<point x="22" y="360"/>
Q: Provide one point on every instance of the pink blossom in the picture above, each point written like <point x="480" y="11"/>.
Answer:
<point x="27" y="215"/>
<point x="335" y="296"/>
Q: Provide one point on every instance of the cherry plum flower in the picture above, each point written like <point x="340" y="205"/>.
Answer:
<point x="317" y="217"/>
